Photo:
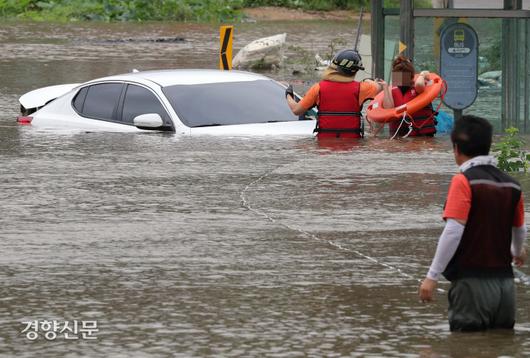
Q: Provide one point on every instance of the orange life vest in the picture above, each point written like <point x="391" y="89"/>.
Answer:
<point x="423" y="120"/>
<point x="339" y="110"/>
<point x="484" y="250"/>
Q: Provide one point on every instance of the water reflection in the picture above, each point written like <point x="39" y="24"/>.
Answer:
<point x="337" y="144"/>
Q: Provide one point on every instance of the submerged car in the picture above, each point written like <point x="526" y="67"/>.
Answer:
<point x="182" y="101"/>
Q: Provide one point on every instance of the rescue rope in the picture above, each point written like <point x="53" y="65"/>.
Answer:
<point x="403" y="120"/>
<point x="412" y="124"/>
<point x="246" y="204"/>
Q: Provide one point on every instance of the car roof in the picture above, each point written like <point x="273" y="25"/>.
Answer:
<point x="166" y="78"/>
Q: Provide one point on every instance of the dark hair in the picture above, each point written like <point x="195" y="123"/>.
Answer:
<point x="402" y="64"/>
<point x="472" y="136"/>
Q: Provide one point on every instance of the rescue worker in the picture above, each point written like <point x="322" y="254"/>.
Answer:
<point x="407" y="86"/>
<point x="484" y="232"/>
<point x="338" y="96"/>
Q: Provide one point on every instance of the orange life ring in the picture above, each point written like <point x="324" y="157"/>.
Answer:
<point x="376" y="113"/>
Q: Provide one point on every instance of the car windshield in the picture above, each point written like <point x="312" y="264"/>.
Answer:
<point x="228" y="103"/>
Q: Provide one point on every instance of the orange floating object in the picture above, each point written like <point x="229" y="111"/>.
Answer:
<point x="376" y="113"/>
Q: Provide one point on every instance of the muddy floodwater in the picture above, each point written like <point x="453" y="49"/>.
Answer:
<point x="215" y="246"/>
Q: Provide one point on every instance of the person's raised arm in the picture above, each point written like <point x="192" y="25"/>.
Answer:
<point x="388" y="100"/>
<point x="296" y="107"/>
<point x="369" y="89"/>
<point x="419" y="83"/>
<point x="308" y="101"/>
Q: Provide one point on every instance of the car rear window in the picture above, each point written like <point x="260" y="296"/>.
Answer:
<point x="101" y="100"/>
<point x="213" y="104"/>
<point x="79" y="99"/>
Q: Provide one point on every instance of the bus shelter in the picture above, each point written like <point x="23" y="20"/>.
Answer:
<point x="503" y="68"/>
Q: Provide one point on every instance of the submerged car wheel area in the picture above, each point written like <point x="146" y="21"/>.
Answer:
<point x="180" y="101"/>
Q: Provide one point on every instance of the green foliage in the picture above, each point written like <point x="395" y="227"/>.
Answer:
<point x="417" y="3"/>
<point x="510" y="152"/>
<point x="177" y="10"/>
<point x="123" y="10"/>
<point x="310" y="4"/>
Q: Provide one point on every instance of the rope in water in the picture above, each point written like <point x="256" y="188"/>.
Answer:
<point x="246" y="204"/>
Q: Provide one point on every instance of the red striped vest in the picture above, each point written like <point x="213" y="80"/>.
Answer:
<point x="484" y="249"/>
<point x="339" y="110"/>
<point x="423" y="124"/>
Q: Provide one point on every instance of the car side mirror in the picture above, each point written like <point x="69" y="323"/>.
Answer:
<point x="148" y="121"/>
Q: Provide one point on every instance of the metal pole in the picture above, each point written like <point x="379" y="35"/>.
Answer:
<point x="457" y="113"/>
<point x="359" y="30"/>
<point x="526" y="78"/>
<point x="516" y="85"/>
<point x="505" y="47"/>
<point x="406" y="21"/>
<point x="510" y="81"/>
<point x="378" y="39"/>
<point x="504" y="82"/>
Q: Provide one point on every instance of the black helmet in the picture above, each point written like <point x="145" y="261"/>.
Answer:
<point x="348" y="62"/>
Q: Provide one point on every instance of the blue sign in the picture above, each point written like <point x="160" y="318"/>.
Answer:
<point x="459" y="65"/>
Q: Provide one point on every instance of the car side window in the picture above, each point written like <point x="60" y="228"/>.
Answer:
<point x="79" y="99"/>
<point x="139" y="100"/>
<point x="101" y="101"/>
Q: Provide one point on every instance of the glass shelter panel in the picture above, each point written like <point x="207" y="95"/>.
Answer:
<point x="392" y="36"/>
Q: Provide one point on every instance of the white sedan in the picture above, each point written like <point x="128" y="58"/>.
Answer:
<point x="186" y="102"/>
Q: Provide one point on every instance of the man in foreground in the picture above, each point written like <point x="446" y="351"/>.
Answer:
<point x="484" y="233"/>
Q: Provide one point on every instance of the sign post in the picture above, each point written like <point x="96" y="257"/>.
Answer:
<point x="459" y="66"/>
<point x="225" y="53"/>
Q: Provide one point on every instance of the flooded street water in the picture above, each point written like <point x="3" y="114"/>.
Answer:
<point x="216" y="246"/>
